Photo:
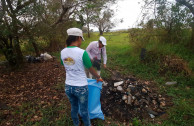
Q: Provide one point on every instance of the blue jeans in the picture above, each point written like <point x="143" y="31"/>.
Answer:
<point x="78" y="97"/>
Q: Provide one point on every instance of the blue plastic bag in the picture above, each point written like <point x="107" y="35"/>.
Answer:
<point x="94" y="105"/>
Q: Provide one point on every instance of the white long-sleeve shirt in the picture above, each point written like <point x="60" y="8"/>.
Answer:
<point x="94" y="51"/>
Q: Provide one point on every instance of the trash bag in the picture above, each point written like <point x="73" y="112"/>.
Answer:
<point x="94" y="105"/>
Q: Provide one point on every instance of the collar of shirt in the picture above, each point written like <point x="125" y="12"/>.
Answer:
<point x="98" y="44"/>
<point x="71" y="46"/>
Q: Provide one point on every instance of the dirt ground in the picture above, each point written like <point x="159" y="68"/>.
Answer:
<point x="36" y="81"/>
<point x="118" y="109"/>
<point x="33" y="83"/>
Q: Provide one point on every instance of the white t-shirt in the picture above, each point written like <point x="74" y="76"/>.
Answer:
<point x="72" y="58"/>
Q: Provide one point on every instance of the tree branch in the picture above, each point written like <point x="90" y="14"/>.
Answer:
<point x="10" y="6"/>
<point x="65" y="8"/>
<point x="20" y="6"/>
<point x="4" y="42"/>
<point x="187" y="4"/>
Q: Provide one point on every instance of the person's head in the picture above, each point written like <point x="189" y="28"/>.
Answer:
<point x="75" y="35"/>
<point x="102" y="42"/>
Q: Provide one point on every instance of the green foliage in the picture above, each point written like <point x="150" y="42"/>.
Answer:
<point x="27" y="47"/>
<point x="136" y="122"/>
<point x="171" y="21"/>
<point x="97" y="13"/>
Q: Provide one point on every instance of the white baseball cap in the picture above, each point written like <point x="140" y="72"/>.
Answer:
<point x="103" y="40"/>
<point x="75" y="32"/>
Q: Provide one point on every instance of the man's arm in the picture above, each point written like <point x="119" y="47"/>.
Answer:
<point x="88" y="49"/>
<point x="104" y="55"/>
<point x="87" y="63"/>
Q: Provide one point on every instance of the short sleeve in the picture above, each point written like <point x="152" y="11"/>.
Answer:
<point x="86" y="60"/>
<point x="62" y="62"/>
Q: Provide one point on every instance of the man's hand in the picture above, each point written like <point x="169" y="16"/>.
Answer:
<point x="104" y="66"/>
<point x="99" y="79"/>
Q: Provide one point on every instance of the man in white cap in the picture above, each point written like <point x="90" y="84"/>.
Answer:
<point x="96" y="50"/>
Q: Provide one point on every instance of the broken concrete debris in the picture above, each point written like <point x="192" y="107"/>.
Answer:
<point x="134" y="99"/>
<point x="118" y="83"/>
<point x="171" y="83"/>
<point x="119" y="88"/>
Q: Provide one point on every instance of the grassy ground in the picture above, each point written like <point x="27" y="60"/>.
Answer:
<point x="123" y="57"/>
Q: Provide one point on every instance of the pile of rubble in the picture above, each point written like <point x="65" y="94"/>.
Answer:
<point x="129" y="99"/>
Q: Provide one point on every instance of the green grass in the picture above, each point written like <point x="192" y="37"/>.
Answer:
<point x="32" y="114"/>
<point x="123" y="56"/>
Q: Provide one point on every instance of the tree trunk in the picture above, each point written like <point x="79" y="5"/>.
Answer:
<point x="31" y="40"/>
<point x="54" y="44"/>
<point x="19" y="55"/>
<point x="8" y="51"/>
<point x="17" y="48"/>
<point x="9" y="55"/>
<point x="101" y="32"/>
<point x="191" y="43"/>
<point x="87" y="21"/>
<point x="88" y="30"/>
